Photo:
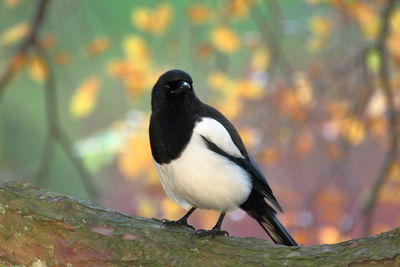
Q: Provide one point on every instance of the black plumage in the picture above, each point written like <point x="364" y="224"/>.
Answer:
<point x="175" y="112"/>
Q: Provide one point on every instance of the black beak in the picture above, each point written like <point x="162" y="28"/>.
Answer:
<point x="182" y="87"/>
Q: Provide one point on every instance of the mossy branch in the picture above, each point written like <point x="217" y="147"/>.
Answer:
<point x="39" y="227"/>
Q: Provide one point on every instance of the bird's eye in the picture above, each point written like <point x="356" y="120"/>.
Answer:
<point x="167" y="86"/>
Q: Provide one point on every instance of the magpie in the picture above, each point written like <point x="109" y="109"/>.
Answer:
<point x="202" y="161"/>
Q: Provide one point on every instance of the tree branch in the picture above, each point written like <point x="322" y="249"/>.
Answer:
<point x="42" y="227"/>
<point x="272" y="35"/>
<point x="13" y="65"/>
<point x="384" y="77"/>
<point x="55" y="130"/>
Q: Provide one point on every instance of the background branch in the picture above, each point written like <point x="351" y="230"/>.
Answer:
<point x="13" y="65"/>
<point x="55" y="129"/>
<point x="384" y="77"/>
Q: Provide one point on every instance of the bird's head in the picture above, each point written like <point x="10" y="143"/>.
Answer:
<point x="173" y="88"/>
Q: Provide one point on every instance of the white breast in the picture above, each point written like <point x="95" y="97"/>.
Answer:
<point x="202" y="178"/>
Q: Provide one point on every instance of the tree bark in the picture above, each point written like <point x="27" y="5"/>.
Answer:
<point x="39" y="228"/>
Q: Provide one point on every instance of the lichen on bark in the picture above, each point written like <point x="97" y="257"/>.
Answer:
<point x="40" y="228"/>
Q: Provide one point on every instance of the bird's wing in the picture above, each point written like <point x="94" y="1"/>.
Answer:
<point x="237" y="153"/>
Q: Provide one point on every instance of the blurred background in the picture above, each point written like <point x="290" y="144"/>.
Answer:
<point x="312" y="86"/>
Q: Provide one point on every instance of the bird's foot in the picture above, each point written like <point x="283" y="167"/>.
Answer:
<point x="177" y="223"/>
<point x="213" y="232"/>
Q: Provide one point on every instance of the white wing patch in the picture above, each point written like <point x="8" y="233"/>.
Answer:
<point x="203" y="178"/>
<point x="216" y="133"/>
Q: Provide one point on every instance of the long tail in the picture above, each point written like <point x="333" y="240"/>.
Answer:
<point x="264" y="214"/>
<point x="275" y="229"/>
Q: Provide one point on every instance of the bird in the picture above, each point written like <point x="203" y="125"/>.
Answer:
<point x="202" y="162"/>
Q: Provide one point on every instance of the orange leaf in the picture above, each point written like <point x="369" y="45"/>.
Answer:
<point x="62" y="58"/>
<point x="304" y="143"/>
<point x="97" y="46"/>
<point x="12" y="3"/>
<point x="154" y="21"/>
<point x="37" y="69"/>
<point x="271" y="156"/>
<point x="239" y="8"/>
<point x="48" y="41"/>
<point x="198" y="13"/>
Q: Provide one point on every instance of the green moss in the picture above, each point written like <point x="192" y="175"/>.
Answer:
<point x="58" y="230"/>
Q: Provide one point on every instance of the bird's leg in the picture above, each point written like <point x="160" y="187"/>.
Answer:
<point x="182" y="220"/>
<point x="216" y="230"/>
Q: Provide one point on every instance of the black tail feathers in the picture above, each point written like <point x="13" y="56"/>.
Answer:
<point x="275" y="230"/>
<point x="264" y="214"/>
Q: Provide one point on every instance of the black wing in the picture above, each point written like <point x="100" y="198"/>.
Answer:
<point x="258" y="179"/>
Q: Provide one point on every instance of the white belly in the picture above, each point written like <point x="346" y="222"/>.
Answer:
<point x="204" y="179"/>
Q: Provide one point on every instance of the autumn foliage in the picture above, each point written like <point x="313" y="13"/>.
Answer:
<point x="303" y="81"/>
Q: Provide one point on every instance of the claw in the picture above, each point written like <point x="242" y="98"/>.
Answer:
<point x="213" y="232"/>
<point x="177" y="223"/>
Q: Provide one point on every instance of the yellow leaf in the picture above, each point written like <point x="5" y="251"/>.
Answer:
<point x="136" y="49"/>
<point x="97" y="46"/>
<point x="198" y="13"/>
<point x="395" y="22"/>
<point x="231" y="106"/>
<point x="141" y="18"/>
<point x="367" y="17"/>
<point x="217" y="80"/>
<point x="37" y="69"/>
<point x="320" y="26"/>
<point x="260" y="59"/>
<point x="134" y="159"/>
<point x="152" y="177"/>
<point x="225" y="40"/>
<point x="249" y="136"/>
<point x="353" y="130"/>
<point x="328" y="235"/>
<point x="303" y="89"/>
<point x="84" y="98"/>
<point x="248" y="89"/>
<point x="170" y="210"/>
<point x="321" y="29"/>
<point x="15" y="33"/>
<point x="145" y="207"/>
